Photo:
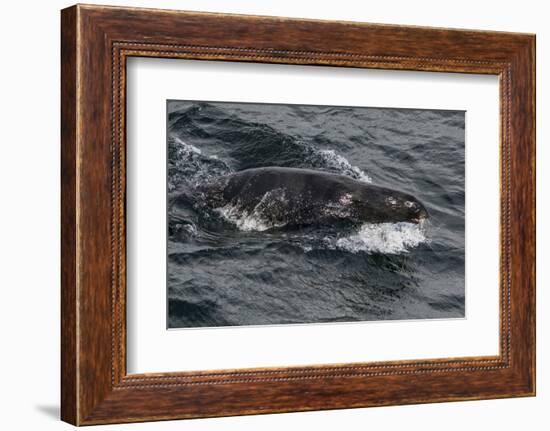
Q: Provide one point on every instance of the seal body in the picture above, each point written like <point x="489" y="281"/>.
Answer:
<point x="297" y="197"/>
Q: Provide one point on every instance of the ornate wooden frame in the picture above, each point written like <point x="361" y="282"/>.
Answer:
<point x="95" y="43"/>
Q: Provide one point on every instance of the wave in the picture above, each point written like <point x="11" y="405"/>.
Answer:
<point x="188" y="164"/>
<point x="343" y="166"/>
<point x="243" y="144"/>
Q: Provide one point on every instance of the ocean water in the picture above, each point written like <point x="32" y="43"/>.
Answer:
<point x="230" y="267"/>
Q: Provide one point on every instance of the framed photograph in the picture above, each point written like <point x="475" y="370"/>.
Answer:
<point x="265" y="214"/>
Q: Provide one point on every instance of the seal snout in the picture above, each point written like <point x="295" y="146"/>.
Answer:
<point x="417" y="211"/>
<point x="420" y="213"/>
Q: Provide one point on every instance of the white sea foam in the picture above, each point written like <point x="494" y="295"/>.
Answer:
<point x="387" y="238"/>
<point x="339" y="162"/>
<point x="188" y="148"/>
<point x="191" y="165"/>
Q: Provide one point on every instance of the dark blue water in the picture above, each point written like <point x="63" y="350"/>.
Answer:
<point x="227" y="267"/>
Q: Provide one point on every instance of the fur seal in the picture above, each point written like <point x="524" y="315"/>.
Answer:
<point x="297" y="197"/>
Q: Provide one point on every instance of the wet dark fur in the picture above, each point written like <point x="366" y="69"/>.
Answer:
<point x="294" y="196"/>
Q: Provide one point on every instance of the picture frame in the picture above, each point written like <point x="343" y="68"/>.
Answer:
<point x="96" y="42"/>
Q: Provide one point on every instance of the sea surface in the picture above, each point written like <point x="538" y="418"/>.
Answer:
<point x="227" y="268"/>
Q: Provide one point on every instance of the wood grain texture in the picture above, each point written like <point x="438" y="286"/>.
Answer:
<point x="96" y="41"/>
<point x="69" y="367"/>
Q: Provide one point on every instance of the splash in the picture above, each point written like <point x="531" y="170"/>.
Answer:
<point x="342" y="165"/>
<point x="189" y="164"/>
<point x="187" y="149"/>
<point x="387" y="238"/>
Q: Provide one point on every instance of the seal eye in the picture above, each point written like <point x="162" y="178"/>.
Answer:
<point x="409" y="204"/>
